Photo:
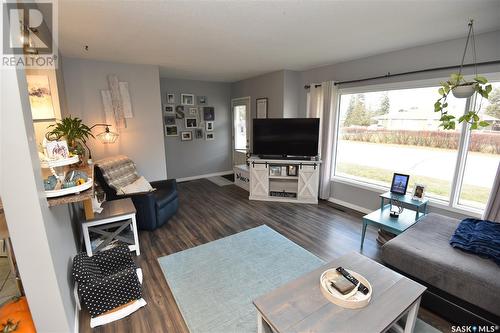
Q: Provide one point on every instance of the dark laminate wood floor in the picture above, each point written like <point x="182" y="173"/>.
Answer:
<point x="208" y="212"/>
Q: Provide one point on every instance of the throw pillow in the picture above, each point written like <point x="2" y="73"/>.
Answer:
<point x="140" y="185"/>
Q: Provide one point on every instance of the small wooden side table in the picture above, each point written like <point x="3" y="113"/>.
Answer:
<point x="116" y="215"/>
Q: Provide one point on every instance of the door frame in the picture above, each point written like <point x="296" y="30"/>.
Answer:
<point x="235" y="102"/>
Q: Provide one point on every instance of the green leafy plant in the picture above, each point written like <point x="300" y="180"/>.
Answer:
<point x="480" y="86"/>
<point x="74" y="131"/>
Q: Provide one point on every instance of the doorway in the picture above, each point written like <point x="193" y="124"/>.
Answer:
<point x="241" y="129"/>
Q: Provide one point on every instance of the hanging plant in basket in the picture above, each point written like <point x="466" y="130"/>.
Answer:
<point x="461" y="88"/>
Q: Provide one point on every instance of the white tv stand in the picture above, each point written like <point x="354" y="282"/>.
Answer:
<point x="267" y="184"/>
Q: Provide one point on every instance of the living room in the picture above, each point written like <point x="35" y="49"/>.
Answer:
<point x="212" y="144"/>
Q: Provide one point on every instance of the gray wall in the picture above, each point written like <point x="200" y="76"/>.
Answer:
<point x="291" y="94"/>
<point x="199" y="156"/>
<point x="42" y="237"/>
<point x="268" y="85"/>
<point x="142" y="140"/>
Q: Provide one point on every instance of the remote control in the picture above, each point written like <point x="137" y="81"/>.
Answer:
<point x="353" y="280"/>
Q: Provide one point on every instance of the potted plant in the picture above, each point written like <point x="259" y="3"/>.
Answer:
<point x="462" y="88"/>
<point x="74" y="131"/>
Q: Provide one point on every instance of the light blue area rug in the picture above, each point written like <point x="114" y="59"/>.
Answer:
<point x="214" y="284"/>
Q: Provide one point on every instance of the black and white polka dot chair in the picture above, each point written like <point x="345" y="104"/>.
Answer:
<point x="107" y="281"/>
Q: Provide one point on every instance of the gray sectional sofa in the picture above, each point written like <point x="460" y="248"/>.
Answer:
<point x="462" y="287"/>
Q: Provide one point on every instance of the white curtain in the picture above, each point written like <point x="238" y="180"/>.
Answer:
<point x="492" y="211"/>
<point x="322" y="103"/>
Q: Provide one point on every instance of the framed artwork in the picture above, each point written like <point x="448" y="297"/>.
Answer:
<point x="57" y="150"/>
<point x="171" y="131"/>
<point x="191" y="122"/>
<point x="275" y="170"/>
<point x="40" y="97"/>
<point x="187" y="99"/>
<point x="193" y="111"/>
<point x="179" y="112"/>
<point x="186" y="136"/>
<point x="202" y="100"/>
<point x="399" y="183"/>
<point x="418" y="192"/>
<point x="169" y="120"/>
<point x="291" y="170"/>
<point x="209" y="126"/>
<point x="170" y="98"/>
<point x="208" y="113"/>
<point x="261" y="104"/>
<point x="198" y="133"/>
<point x="168" y="108"/>
<point x="209" y="136"/>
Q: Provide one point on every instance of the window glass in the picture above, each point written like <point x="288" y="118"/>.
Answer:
<point x="483" y="154"/>
<point x="240" y="127"/>
<point x="384" y="132"/>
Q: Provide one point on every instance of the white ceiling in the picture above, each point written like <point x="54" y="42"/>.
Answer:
<point x="233" y="40"/>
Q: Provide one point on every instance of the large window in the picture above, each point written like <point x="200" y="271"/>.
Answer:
<point x="397" y="130"/>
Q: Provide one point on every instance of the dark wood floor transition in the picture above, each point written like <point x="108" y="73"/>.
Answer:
<point x="208" y="212"/>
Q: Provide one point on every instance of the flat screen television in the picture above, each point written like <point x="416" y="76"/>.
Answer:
<point x="291" y="137"/>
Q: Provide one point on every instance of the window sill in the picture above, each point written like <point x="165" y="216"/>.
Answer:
<point x="379" y="189"/>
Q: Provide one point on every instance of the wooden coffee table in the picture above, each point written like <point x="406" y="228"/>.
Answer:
<point x="299" y="306"/>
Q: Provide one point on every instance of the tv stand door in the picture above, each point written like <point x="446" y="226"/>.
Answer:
<point x="308" y="183"/>
<point x="259" y="180"/>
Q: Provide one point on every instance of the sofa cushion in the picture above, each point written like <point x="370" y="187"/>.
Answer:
<point x="423" y="251"/>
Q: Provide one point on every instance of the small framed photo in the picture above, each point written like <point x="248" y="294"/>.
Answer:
<point x="291" y="170"/>
<point x="179" y="112"/>
<point x="209" y="126"/>
<point x="170" y="98"/>
<point x="399" y="183"/>
<point x="418" y="192"/>
<point x="208" y="113"/>
<point x="57" y="150"/>
<point x="261" y="108"/>
<point x="193" y="111"/>
<point x="186" y="136"/>
<point x="187" y="99"/>
<point x="171" y="131"/>
<point x="198" y="133"/>
<point x="168" y="108"/>
<point x="209" y="136"/>
<point x="202" y="100"/>
<point x="169" y="120"/>
<point x="274" y="170"/>
<point x="191" y="122"/>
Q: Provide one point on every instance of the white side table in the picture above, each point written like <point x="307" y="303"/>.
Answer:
<point x="116" y="215"/>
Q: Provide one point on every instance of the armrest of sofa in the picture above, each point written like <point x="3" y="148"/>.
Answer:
<point x="145" y="205"/>
<point x="167" y="184"/>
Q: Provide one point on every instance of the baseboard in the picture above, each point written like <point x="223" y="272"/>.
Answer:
<point x="215" y="174"/>
<point x="350" y="205"/>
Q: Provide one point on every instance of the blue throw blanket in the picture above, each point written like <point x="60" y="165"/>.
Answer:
<point x="479" y="237"/>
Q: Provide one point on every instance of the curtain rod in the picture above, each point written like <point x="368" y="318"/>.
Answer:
<point x="389" y="75"/>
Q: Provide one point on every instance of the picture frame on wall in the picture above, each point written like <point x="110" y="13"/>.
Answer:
<point x="168" y="108"/>
<point x="171" y="131"/>
<point x="209" y="126"/>
<point x="179" y="112"/>
<point x="187" y="99"/>
<point x="208" y="113"/>
<point x="261" y="106"/>
<point x="170" y="98"/>
<point x="169" y="120"/>
<point x="40" y="96"/>
<point x="198" y="133"/>
<point x="193" y="111"/>
<point x="191" y="122"/>
<point x="209" y="136"/>
<point x="186" y="135"/>
<point x="202" y="100"/>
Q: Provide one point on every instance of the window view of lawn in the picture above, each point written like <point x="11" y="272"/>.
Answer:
<point x="398" y="131"/>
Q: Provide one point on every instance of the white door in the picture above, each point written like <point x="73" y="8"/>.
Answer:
<point x="241" y="130"/>
<point x="308" y="183"/>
